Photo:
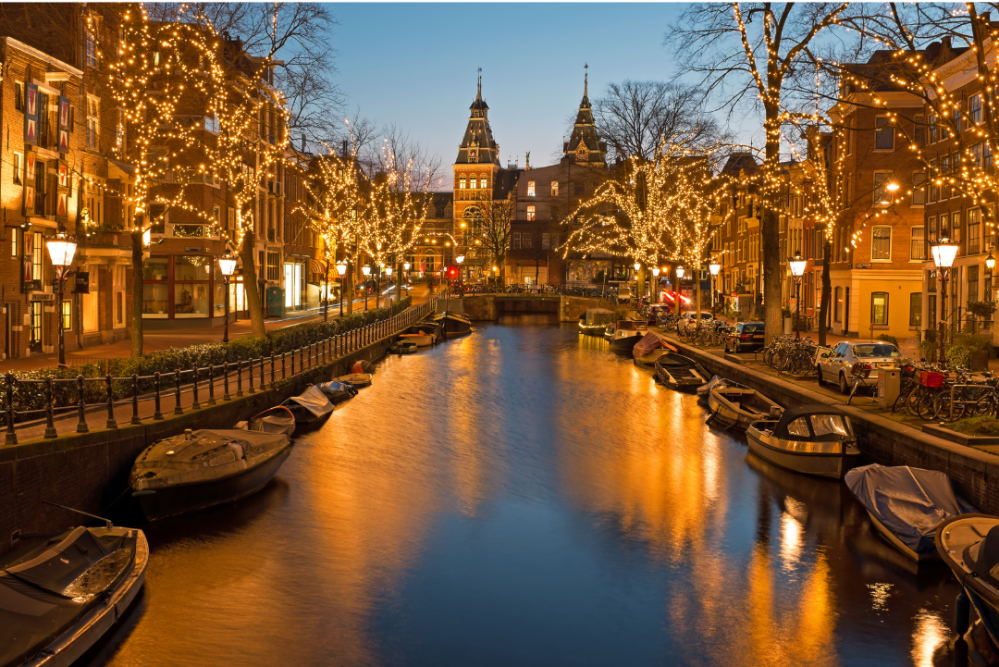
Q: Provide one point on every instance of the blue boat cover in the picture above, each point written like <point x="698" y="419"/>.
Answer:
<point x="910" y="502"/>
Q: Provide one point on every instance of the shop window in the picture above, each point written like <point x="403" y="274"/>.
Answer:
<point x="916" y="310"/>
<point x="273" y="265"/>
<point x="838" y="305"/>
<point x="90" y="302"/>
<point x="879" y="308"/>
<point x="188" y="231"/>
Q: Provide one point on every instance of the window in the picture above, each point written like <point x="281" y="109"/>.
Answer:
<point x="879" y="308"/>
<point x="482" y="182"/>
<point x="972" y="272"/>
<point x="884" y="134"/>
<point x="917" y="247"/>
<point x="974" y="231"/>
<point x="472" y="183"/>
<point x="19" y="96"/>
<point x="530" y="212"/>
<point x="986" y="155"/>
<point x="17" y="169"/>
<point x="67" y="315"/>
<point x="919" y="188"/>
<point x="919" y="130"/>
<point x="976" y="155"/>
<point x="14" y="238"/>
<point x="515" y="242"/>
<point x="933" y="129"/>
<point x="530" y="188"/>
<point x="881" y="195"/>
<point x="554" y="188"/>
<point x="931" y="224"/>
<point x="838" y="305"/>
<point x="934" y="185"/>
<point x="461" y="183"/>
<point x="91" y="48"/>
<point x="916" y="310"/>
<point x="975" y="108"/>
<point x="273" y="262"/>
<point x="881" y="243"/>
<point x="93" y="122"/>
<point x="527" y="240"/>
<point x="945" y="226"/>
<point x="955" y="226"/>
<point x="546" y="241"/>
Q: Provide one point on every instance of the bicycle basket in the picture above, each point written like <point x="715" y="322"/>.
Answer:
<point x="931" y="379"/>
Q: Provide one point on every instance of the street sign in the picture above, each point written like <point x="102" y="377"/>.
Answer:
<point x="82" y="282"/>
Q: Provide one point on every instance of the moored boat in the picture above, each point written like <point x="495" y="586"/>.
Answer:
<point x="402" y="347"/>
<point x="626" y="335"/>
<point x="906" y="505"/>
<point x="594" y="321"/>
<point x="420" y="339"/>
<point x="62" y="595"/>
<point x="203" y="468"/>
<point x="705" y="389"/>
<point x="969" y="545"/>
<point x="650" y="348"/>
<point x="810" y="439"/>
<point x="355" y="380"/>
<point x="679" y="372"/>
<point x="337" y="391"/>
<point x="310" y="406"/>
<point x="733" y="405"/>
<point x="278" y="419"/>
<point x="452" y="324"/>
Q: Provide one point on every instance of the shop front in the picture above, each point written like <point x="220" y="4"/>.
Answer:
<point x="182" y="290"/>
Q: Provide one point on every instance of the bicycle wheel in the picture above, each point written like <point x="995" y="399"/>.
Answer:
<point x="912" y="402"/>
<point x="926" y="410"/>
<point x="987" y="405"/>
<point x="949" y="408"/>
<point x="899" y="403"/>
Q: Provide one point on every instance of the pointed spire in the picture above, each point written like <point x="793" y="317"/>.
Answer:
<point x="478" y="94"/>
<point x="586" y="83"/>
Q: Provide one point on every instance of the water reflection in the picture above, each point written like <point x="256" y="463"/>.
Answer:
<point x="523" y="497"/>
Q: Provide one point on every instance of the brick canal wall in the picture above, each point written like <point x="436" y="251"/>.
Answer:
<point x="89" y="471"/>
<point x="975" y="474"/>
<point x="569" y="308"/>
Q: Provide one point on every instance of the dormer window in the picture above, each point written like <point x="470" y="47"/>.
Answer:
<point x="473" y="155"/>
<point x="581" y="154"/>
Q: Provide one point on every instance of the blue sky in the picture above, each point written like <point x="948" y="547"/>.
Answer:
<point x="415" y="65"/>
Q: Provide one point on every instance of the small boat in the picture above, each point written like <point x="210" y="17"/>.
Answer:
<point x="811" y="439"/>
<point x="969" y="545"/>
<point x="278" y="419"/>
<point x="310" y="406"/>
<point x="732" y="404"/>
<point x="626" y="335"/>
<point x="361" y="366"/>
<point x="679" y="372"/>
<point x="648" y="350"/>
<point x="594" y="321"/>
<point x="62" y="595"/>
<point x="355" y="379"/>
<point x="337" y="391"/>
<point x="402" y="347"/>
<point x="424" y="335"/>
<point x="452" y="324"/>
<point x="906" y="505"/>
<point x="204" y="468"/>
<point x="705" y="389"/>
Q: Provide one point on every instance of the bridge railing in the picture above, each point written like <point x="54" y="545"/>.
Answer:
<point x="538" y="290"/>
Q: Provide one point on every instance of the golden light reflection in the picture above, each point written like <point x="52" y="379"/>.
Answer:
<point x="879" y="596"/>
<point x="790" y="541"/>
<point x="929" y="634"/>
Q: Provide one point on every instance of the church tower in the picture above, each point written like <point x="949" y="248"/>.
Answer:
<point x="477" y="166"/>
<point x="584" y="145"/>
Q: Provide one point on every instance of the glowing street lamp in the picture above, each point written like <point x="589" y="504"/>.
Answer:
<point x="341" y="270"/>
<point x="61" y="250"/>
<point x="366" y="270"/>
<point x="679" y="298"/>
<point x="655" y="294"/>
<point x="797" y="265"/>
<point x="227" y="266"/>
<point x="714" y="268"/>
<point x="944" y="253"/>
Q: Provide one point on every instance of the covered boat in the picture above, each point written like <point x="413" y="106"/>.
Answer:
<point x="355" y="380"/>
<point x="650" y="348"/>
<point x="626" y="335"/>
<point x="906" y="505"/>
<point x="278" y="419"/>
<point x="679" y="372"/>
<point x="337" y="391"/>
<point x="423" y="334"/>
<point x="969" y="545"/>
<point x="733" y="405"/>
<point x="402" y="347"/>
<point x="204" y="468"/>
<point x="310" y="406"/>
<point x="811" y="439"/>
<point x="62" y="595"/>
<point x="452" y="324"/>
<point x="594" y="321"/>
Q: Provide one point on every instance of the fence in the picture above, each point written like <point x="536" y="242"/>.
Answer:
<point x="231" y="379"/>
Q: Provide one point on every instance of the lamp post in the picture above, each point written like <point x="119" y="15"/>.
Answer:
<point x="366" y="270"/>
<point x="655" y="295"/>
<point x="944" y="253"/>
<point x="460" y="259"/>
<point x="227" y="265"/>
<point x="388" y="274"/>
<point x="61" y="251"/>
<point x="797" y="265"/>
<point x="714" y="268"/>
<point x="679" y="283"/>
<point x="341" y="269"/>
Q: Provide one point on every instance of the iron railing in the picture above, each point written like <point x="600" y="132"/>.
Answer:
<point x="187" y="389"/>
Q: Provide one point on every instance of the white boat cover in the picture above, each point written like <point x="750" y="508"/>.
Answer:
<point x="314" y="400"/>
<point x="715" y="381"/>
<point x="910" y="502"/>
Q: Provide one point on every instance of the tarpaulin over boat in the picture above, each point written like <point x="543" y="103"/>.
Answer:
<point x="650" y="342"/>
<point x="910" y="502"/>
<point x="313" y="400"/>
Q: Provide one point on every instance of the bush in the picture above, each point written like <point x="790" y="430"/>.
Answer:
<point x="984" y="425"/>
<point x="889" y="339"/>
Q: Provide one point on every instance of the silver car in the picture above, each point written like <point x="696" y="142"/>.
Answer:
<point x="837" y="365"/>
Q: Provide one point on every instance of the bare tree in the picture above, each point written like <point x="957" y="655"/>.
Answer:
<point x="635" y="117"/>
<point x="489" y="228"/>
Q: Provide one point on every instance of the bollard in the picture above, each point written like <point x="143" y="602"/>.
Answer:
<point x="50" y="430"/>
<point x="227" y="397"/>
<point x="135" y="399"/>
<point x="211" y="384"/>
<point x="284" y="369"/>
<point x="251" y="390"/>
<point x="156" y="413"/>
<point x="301" y="359"/>
<point x="111" y="422"/>
<point x="177" y="410"/>
<point x="81" y="426"/>
<point x="195" y="403"/>
<point x="11" y="434"/>
<point x="239" y="378"/>
<point x="272" y="370"/>
<point x="263" y="374"/>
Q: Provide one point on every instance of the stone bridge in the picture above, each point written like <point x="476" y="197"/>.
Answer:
<point x="568" y="308"/>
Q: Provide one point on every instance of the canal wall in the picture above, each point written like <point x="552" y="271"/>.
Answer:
<point x="569" y="308"/>
<point x="975" y="474"/>
<point x="89" y="471"/>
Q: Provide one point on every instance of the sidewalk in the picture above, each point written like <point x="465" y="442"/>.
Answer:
<point x="158" y="340"/>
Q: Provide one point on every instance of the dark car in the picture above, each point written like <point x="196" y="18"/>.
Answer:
<point x="745" y="336"/>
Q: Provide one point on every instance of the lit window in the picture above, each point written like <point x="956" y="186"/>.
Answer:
<point x="67" y="315"/>
<point x="554" y="188"/>
<point x="879" y="308"/>
<point x="530" y="212"/>
<point x="917" y="247"/>
<point x="974" y="231"/>
<point x="881" y="243"/>
<point x="13" y="241"/>
<point x="93" y="122"/>
<point x="482" y="182"/>
<point x="472" y="183"/>
<point x="530" y="188"/>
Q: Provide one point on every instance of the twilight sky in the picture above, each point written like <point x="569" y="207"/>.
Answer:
<point x="415" y="65"/>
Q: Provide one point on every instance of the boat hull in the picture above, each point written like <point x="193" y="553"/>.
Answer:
<point x="953" y="536"/>
<point x="184" y="498"/>
<point x="893" y="540"/>
<point x="624" y="345"/>
<point x="832" y="465"/>
<point x="727" y="414"/>
<point x="420" y="339"/>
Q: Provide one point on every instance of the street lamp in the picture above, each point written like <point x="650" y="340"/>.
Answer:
<point x="341" y="269"/>
<point x="227" y="265"/>
<point x="990" y="262"/>
<point x="714" y="268"/>
<point x="679" y="295"/>
<point x="655" y="295"/>
<point x="366" y="270"/>
<point x="797" y="265"/>
<point x="944" y="253"/>
<point x="460" y="259"/>
<point x="61" y="251"/>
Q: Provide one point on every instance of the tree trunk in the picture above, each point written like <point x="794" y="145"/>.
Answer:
<point x="697" y="285"/>
<point x="253" y="296"/>
<point x="770" y="229"/>
<point x="136" y="334"/>
<point x="640" y="283"/>
<point x="398" y="283"/>
<point x="349" y="289"/>
<point x="826" y="291"/>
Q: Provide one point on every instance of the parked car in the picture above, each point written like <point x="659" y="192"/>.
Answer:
<point x="871" y="354"/>
<point x="745" y="336"/>
<point x="690" y="317"/>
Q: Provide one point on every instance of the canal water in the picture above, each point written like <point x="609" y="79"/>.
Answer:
<point x="523" y="497"/>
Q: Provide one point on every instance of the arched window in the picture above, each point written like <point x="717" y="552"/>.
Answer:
<point x="472" y="184"/>
<point x="428" y="262"/>
<point x="461" y="183"/>
<point x="473" y="219"/>
<point x="482" y="182"/>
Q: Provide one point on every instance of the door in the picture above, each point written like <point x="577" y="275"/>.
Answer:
<point x="35" y="337"/>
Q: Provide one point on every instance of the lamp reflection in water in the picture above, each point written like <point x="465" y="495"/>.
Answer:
<point x="930" y="633"/>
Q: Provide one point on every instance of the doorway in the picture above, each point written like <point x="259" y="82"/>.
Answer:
<point x="35" y="337"/>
